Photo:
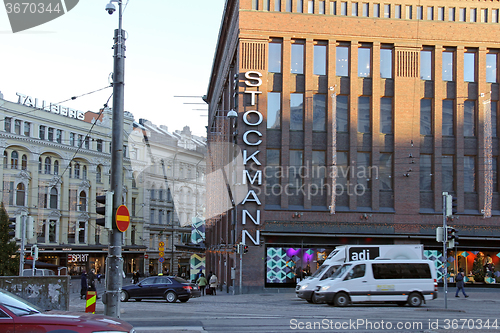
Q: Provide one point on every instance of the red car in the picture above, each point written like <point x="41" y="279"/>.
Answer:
<point x="19" y="316"/>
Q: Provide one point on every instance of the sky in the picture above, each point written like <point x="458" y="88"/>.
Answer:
<point x="170" y="48"/>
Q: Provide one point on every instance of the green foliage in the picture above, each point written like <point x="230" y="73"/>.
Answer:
<point x="9" y="258"/>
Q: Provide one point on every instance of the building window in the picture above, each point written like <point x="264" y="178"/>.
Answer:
<point x="354" y="9"/>
<point x="342" y="55"/>
<point x="448" y="66"/>
<point x="426" y="117"/>
<point x="364" y="62"/>
<point x="152" y="216"/>
<point x="71" y="232"/>
<point x="5" y="159"/>
<point x="41" y="132"/>
<point x="319" y="60"/>
<point x="296" y="112"/>
<point x="56" y="167"/>
<point x="80" y="141"/>
<point x="448" y="118"/>
<point x="364" y="119"/>
<point x="297" y="58"/>
<point x="87" y="143"/>
<point x="341" y="171"/>
<point x="82" y="202"/>
<point x="363" y="170"/>
<point x="99" y="145"/>
<point x="469" y="118"/>
<point x="342" y="113"/>
<point x="98" y="175"/>
<point x="277" y="6"/>
<point x="14" y="158"/>
<point x="272" y="170"/>
<point x="48" y="165"/>
<point x="274" y="58"/>
<point x="310" y="7"/>
<point x="494" y="16"/>
<point x="397" y="11"/>
<point x="343" y="8"/>
<point x="17" y="126"/>
<point x="71" y="139"/>
<point x="160" y="216"/>
<point x="448" y="176"/>
<point x="425" y="172"/>
<point x="288" y="6"/>
<point x="51" y="134"/>
<point x="386" y="115"/>
<point x="420" y="12"/>
<point x="296" y="162"/>
<point x="451" y="14"/>
<point x="430" y="13"/>
<point x="469" y="67"/>
<point x="440" y="13"/>
<point x="462" y="16"/>
<point x="169" y="195"/>
<point x="255" y="4"/>
<point x="7" y="124"/>
<point x="53" y="198"/>
<point x="473" y="13"/>
<point x="319" y="112"/>
<point x="469" y="174"/>
<point x="84" y="172"/>
<point x="321" y="9"/>
<point x="318" y="164"/>
<point x="70" y="170"/>
<point x="152" y="193"/>
<point x="273" y="110"/>
<point x="40" y="165"/>
<point x="386" y="63"/>
<point x="333" y="7"/>
<point x="409" y="12"/>
<point x="426" y="65"/>
<point x="27" y="128"/>
<point x="376" y="10"/>
<point x="491" y="67"/>
<point x="134" y="201"/>
<point x="77" y="170"/>
<point x="300" y="6"/>
<point x="266" y="5"/>
<point x="82" y="232"/>
<point x="385" y="171"/>
<point x="365" y="9"/>
<point x="387" y="11"/>
<point x="24" y="162"/>
<point x="20" y="195"/>
<point x="493" y="105"/>
<point x="59" y="136"/>
<point x="53" y="227"/>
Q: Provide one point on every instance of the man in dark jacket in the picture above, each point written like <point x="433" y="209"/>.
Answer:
<point x="83" y="291"/>
<point x="460" y="282"/>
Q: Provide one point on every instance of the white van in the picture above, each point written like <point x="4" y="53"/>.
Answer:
<point x="380" y="281"/>
<point x="38" y="272"/>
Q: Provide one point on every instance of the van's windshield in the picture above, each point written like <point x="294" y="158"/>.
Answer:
<point x="339" y="272"/>
<point x="319" y="271"/>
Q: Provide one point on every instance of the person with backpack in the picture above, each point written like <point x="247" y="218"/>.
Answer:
<point x="202" y="283"/>
<point x="213" y="284"/>
<point x="460" y="283"/>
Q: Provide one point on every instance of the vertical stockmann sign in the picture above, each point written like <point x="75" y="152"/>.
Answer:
<point x="26" y="14"/>
<point x="251" y="138"/>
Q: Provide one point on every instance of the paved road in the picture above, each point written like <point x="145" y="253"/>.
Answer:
<point x="284" y="312"/>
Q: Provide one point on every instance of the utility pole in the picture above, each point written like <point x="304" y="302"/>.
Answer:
<point x="114" y="267"/>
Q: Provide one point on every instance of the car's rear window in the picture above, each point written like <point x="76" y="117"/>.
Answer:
<point x="180" y="280"/>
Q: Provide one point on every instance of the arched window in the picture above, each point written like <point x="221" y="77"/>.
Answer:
<point x="24" y="162"/>
<point x="98" y="175"/>
<point x="53" y="198"/>
<point x="77" y="170"/>
<point x="84" y="172"/>
<point x="40" y="164"/>
<point x="5" y="159"/>
<point x="48" y="165"/>
<point x="20" y="194"/>
<point x="83" y="202"/>
<point x="14" y="157"/>
<point x="56" y="167"/>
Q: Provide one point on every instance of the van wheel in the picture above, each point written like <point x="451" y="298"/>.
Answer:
<point x="341" y="299"/>
<point x="415" y="299"/>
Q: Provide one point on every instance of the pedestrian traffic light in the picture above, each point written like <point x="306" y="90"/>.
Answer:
<point x="454" y="205"/>
<point x="34" y="252"/>
<point x="245" y="248"/>
<point x="30" y="227"/>
<point x="15" y="225"/>
<point x="107" y="210"/>
<point x="452" y="237"/>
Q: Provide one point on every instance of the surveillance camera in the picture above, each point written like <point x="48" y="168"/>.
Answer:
<point x="110" y="8"/>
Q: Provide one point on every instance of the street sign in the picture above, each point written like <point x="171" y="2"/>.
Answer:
<point x="146" y="256"/>
<point x="162" y="254"/>
<point x="161" y="244"/>
<point x="122" y="218"/>
<point x="161" y="259"/>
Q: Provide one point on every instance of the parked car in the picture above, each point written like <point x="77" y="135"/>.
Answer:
<point x="170" y="288"/>
<point x="38" y="272"/>
<point x="20" y="316"/>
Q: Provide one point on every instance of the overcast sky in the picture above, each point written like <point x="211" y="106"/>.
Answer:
<point x="170" y="48"/>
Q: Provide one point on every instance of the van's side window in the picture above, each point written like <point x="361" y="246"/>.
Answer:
<point x="330" y="272"/>
<point x="357" y="272"/>
<point x="401" y="271"/>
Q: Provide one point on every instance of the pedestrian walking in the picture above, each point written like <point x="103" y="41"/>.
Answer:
<point x="202" y="283"/>
<point x="460" y="283"/>
<point x="91" y="279"/>
<point x="213" y="284"/>
<point x="135" y="278"/>
<point x="83" y="291"/>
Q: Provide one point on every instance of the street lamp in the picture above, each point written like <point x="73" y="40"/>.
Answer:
<point x="114" y="267"/>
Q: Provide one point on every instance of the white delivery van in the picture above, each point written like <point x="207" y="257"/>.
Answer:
<point x="380" y="281"/>
<point x="341" y="254"/>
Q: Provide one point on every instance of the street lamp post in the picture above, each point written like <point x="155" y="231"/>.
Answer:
<point x="114" y="265"/>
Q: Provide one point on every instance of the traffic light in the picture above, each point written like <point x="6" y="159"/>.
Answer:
<point x="34" y="252"/>
<point x="30" y="227"/>
<point x="451" y="237"/>
<point x="107" y="210"/>
<point x="236" y="248"/>
<point x="439" y="234"/>
<point x="15" y="224"/>
<point x="449" y="204"/>
<point x="245" y="248"/>
<point x="454" y="205"/>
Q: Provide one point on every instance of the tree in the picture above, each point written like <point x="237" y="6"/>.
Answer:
<point x="9" y="258"/>
<point x="478" y="269"/>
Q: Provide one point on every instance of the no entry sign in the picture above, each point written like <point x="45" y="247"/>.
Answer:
<point x="122" y="218"/>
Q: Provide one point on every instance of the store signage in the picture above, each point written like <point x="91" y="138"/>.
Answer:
<point x="78" y="257"/>
<point x="251" y="138"/>
<point x="122" y="218"/>
<point x="50" y="107"/>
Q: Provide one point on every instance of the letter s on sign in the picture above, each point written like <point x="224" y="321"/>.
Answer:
<point x="250" y="76"/>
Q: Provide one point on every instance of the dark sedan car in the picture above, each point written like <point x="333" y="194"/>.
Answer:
<point x="19" y="316"/>
<point x="170" y="288"/>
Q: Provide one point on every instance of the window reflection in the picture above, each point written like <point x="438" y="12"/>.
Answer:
<point x="342" y="56"/>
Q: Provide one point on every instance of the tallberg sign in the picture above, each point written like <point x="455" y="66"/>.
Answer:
<point x="50" y="107"/>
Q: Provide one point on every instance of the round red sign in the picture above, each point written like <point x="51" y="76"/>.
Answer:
<point x="122" y="218"/>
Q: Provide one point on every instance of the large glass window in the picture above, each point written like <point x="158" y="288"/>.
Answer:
<point x="342" y="113"/>
<point x="272" y="172"/>
<point x="363" y="170"/>
<point x="273" y="110"/>
<point x="430" y="13"/>
<point x="420" y="13"/>
<point x="491" y="67"/>
<point x="376" y="10"/>
<point x="451" y="14"/>
<point x="440" y="13"/>
<point x="448" y="66"/>
<point x="318" y="168"/>
<point x="473" y="14"/>
<point x="296" y="112"/>
<point x="364" y="119"/>
<point x="448" y="118"/>
<point x="274" y="59"/>
<point x="321" y="9"/>
<point x="386" y="115"/>
<point x="385" y="171"/>
<point x="469" y="118"/>
<point x="364" y="62"/>
<point x="409" y="12"/>
<point x="296" y="162"/>
<point x="462" y="12"/>
<point x="365" y="9"/>
<point x="425" y="65"/>
<point x="342" y="55"/>
<point x="469" y="174"/>
<point x="425" y="172"/>
<point x="300" y="6"/>
<point x="319" y="59"/>
<point x="53" y="198"/>
<point x="20" y="194"/>
<point x="386" y="63"/>
<point x="447" y="169"/>
<point x="343" y="8"/>
<point x="310" y="7"/>
<point x="397" y="11"/>
<point x="387" y="11"/>
<point x="354" y="9"/>
<point x="319" y="112"/>
<point x="297" y="58"/>
<point x="426" y="117"/>
<point x="277" y="6"/>
<point x="469" y="67"/>
<point x="342" y="171"/>
<point x="288" y="6"/>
